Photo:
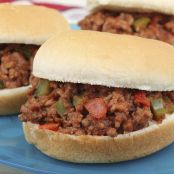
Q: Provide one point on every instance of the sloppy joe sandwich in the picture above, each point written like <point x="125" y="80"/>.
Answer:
<point x="149" y="19"/>
<point x="23" y="29"/>
<point x="96" y="98"/>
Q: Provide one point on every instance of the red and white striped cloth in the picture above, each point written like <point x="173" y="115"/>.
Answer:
<point x="73" y="10"/>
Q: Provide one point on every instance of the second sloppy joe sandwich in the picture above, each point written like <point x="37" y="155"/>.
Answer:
<point x="144" y="18"/>
<point x="98" y="98"/>
<point x="23" y="28"/>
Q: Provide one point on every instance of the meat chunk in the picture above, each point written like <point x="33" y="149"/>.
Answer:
<point x="103" y="111"/>
<point x="147" y="25"/>
<point x="16" y="65"/>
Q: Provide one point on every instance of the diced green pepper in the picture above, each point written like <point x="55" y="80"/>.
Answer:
<point x="169" y="106"/>
<point x="158" y="107"/>
<point x="26" y="51"/>
<point x="42" y="88"/>
<point x="77" y="100"/>
<point x="2" y="86"/>
<point x="141" y="23"/>
<point x="60" y="107"/>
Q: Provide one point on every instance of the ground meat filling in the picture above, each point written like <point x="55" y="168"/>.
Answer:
<point x="16" y="64"/>
<point x="148" y="25"/>
<point x="83" y="109"/>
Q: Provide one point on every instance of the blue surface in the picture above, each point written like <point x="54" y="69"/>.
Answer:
<point x="14" y="151"/>
<point x="74" y="27"/>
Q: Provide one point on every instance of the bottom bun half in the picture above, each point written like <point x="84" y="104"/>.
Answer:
<point x="12" y="99"/>
<point x="101" y="149"/>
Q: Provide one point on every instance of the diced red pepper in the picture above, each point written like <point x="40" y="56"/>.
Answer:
<point x="141" y="98"/>
<point x="50" y="126"/>
<point x="97" y="108"/>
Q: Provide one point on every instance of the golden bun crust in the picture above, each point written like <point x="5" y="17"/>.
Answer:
<point x="107" y="59"/>
<point x="29" y="24"/>
<point x="96" y="149"/>
<point x="12" y="99"/>
<point x="159" y="6"/>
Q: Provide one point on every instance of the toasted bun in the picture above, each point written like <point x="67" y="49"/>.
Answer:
<point x="11" y="100"/>
<point x="101" y="149"/>
<point x="159" y="6"/>
<point x="107" y="59"/>
<point x="29" y="24"/>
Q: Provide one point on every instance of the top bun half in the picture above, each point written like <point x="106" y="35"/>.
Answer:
<point x="107" y="59"/>
<point x="29" y="24"/>
<point x="159" y="6"/>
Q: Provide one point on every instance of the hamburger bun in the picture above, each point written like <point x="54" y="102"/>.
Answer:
<point x="108" y="59"/>
<point x="29" y="24"/>
<point x="12" y="99"/>
<point x="25" y="24"/>
<point x="101" y="59"/>
<point x="101" y="149"/>
<point x="160" y="6"/>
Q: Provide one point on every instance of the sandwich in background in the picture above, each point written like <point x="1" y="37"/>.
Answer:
<point x="148" y="19"/>
<point x="23" y="29"/>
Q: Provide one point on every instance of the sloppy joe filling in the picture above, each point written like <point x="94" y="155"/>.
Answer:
<point x="83" y="109"/>
<point x="147" y="25"/>
<point x="16" y="64"/>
